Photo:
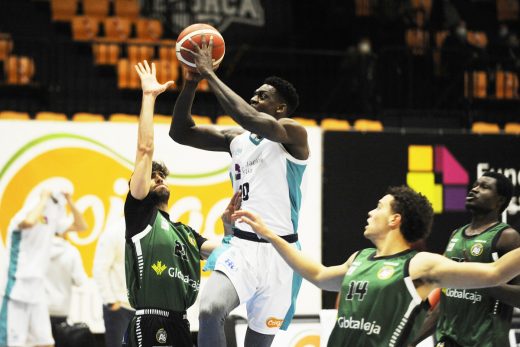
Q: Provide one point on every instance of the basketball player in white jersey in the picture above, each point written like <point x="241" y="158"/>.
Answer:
<point x="24" y="315"/>
<point x="269" y="155"/>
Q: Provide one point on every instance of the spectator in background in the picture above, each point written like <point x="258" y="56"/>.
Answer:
<point x="24" y="315"/>
<point x="109" y="274"/>
<point x="65" y="271"/>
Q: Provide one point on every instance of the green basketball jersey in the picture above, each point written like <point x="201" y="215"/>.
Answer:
<point x="163" y="266"/>
<point x="378" y="302"/>
<point x="467" y="316"/>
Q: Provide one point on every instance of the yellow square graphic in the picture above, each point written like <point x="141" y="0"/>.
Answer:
<point x="424" y="182"/>
<point x="420" y="158"/>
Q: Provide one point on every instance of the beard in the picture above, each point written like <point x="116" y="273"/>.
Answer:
<point x="160" y="196"/>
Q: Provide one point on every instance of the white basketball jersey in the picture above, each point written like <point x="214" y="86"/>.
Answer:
<point x="28" y="252"/>
<point x="270" y="179"/>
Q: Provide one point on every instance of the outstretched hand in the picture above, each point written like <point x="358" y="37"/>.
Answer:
<point x="149" y="82"/>
<point x="254" y="221"/>
<point x="202" y="55"/>
<point x="232" y="207"/>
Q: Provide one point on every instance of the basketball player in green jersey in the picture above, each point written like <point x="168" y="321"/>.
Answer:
<point x="383" y="289"/>
<point x="485" y="239"/>
<point x="162" y="258"/>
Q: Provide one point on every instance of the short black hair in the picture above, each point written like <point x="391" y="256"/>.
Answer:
<point x="286" y="90"/>
<point x="158" y="166"/>
<point x="415" y="210"/>
<point x="504" y="187"/>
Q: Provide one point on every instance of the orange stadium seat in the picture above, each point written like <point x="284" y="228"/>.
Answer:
<point x="123" y="118"/>
<point x="417" y="40"/>
<point x="63" y="10"/>
<point x="475" y="84"/>
<point x="507" y="10"/>
<point x="6" y="46"/>
<point x="368" y="125"/>
<point x="305" y="121"/>
<point x="117" y="28"/>
<point x="96" y="8"/>
<point x="168" y="70"/>
<point x="87" y="117"/>
<point x="127" y="8"/>
<point x="512" y="128"/>
<point x="506" y="85"/>
<point x="106" y="53"/>
<point x="52" y="116"/>
<point x="167" y="50"/>
<point x="477" y="38"/>
<point x="127" y="77"/>
<point x="225" y="120"/>
<point x="84" y="28"/>
<point x="139" y="52"/>
<point x="485" y="128"/>
<point x="334" y="124"/>
<point x="19" y="69"/>
<point x="14" y="115"/>
<point x="149" y="29"/>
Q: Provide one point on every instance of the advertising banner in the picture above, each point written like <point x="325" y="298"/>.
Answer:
<point x="94" y="161"/>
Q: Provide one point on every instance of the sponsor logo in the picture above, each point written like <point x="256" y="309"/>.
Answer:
<point x="230" y="264"/>
<point x="158" y="267"/>
<point x="176" y="273"/>
<point x="161" y="336"/>
<point x="425" y="164"/>
<point x="368" y="327"/>
<point x="273" y="322"/>
<point x="385" y="272"/>
<point x="462" y="294"/>
<point x="220" y="14"/>
<point x="476" y="249"/>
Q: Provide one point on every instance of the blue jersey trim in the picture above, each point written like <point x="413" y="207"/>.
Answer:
<point x="296" y="285"/>
<point x="16" y="237"/>
<point x="294" y="181"/>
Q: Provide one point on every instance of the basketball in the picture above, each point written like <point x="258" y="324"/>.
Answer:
<point x="195" y="32"/>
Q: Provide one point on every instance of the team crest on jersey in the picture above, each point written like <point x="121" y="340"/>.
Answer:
<point x="385" y="272"/>
<point x="255" y="138"/>
<point x="476" y="249"/>
<point x="180" y="250"/>
<point x="158" y="267"/>
<point x="161" y="336"/>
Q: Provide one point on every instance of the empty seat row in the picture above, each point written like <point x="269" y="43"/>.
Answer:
<point x="116" y="29"/>
<point x="65" y="10"/>
<point x="476" y="85"/>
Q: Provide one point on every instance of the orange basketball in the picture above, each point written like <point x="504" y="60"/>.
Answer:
<point x="195" y="32"/>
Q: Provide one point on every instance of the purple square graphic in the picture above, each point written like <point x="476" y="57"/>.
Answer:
<point x="455" y="198"/>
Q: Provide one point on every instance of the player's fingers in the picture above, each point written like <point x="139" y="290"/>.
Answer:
<point x="195" y="45"/>
<point x="187" y="50"/>
<point x="147" y="67"/>
<point x="138" y="70"/>
<point x="153" y="69"/>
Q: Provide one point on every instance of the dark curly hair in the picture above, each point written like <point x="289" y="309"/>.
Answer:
<point x="286" y="90"/>
<point x="158" y="166"/>
<point x="504" y="187"/>
<point x="415" y="210"/>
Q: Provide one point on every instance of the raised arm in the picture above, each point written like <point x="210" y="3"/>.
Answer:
<point x="34" y="215"/>
<point x="183" y="129"/>
<point x="79" y="223"/>
<point x="443" y="272"/>
<point x="327" y="278"/>
<point x="286" y="131"/>
<point x="140" y="181"/>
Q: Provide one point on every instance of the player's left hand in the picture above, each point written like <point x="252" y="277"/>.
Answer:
<point x="149" y="82"/>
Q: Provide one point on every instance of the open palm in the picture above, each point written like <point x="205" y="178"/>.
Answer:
<point x="149" y="82"/>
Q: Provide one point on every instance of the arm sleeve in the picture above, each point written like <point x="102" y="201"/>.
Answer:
<point x="138" y="214"/>
<point x="79" y="277"/>
<point x="199" y="238"/>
